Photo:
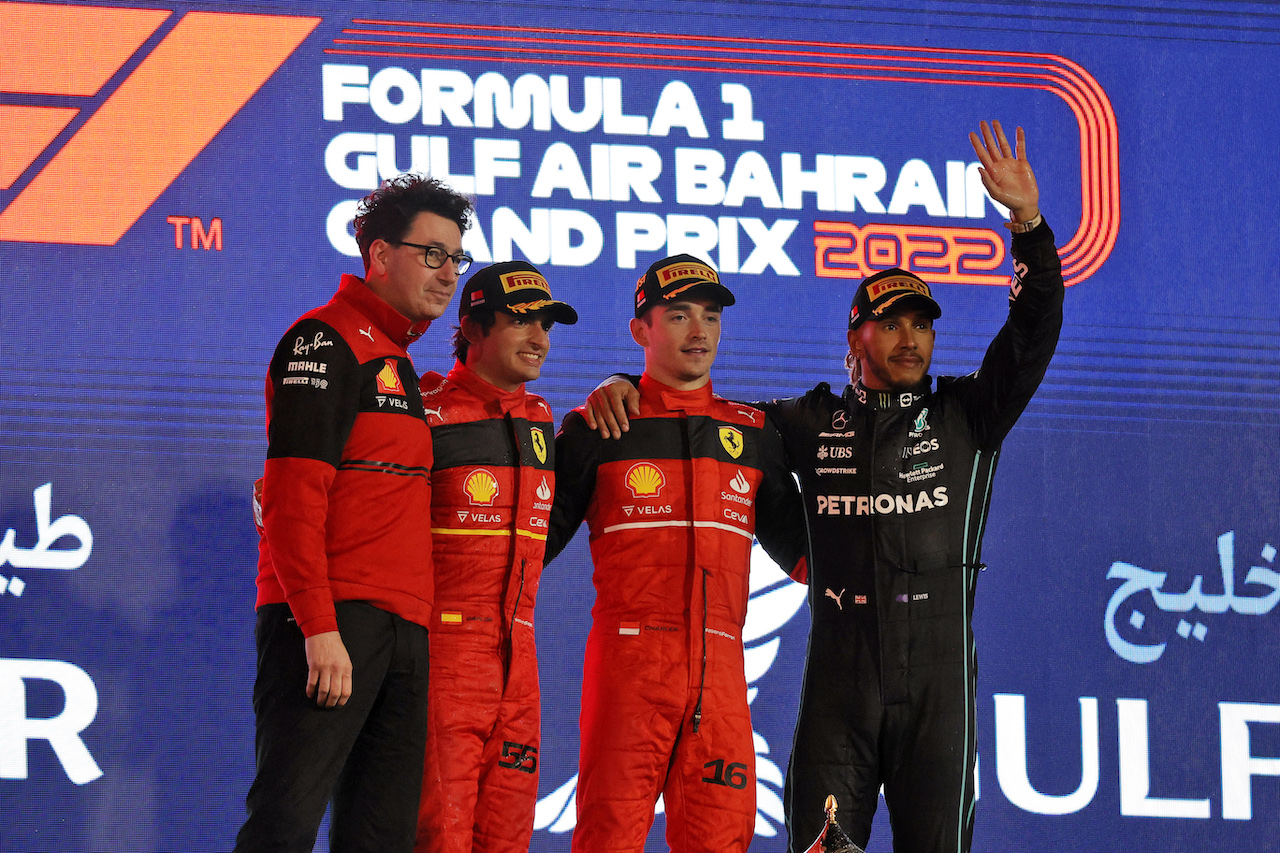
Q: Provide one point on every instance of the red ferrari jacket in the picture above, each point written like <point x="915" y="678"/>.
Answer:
<point x="347" y="479"/>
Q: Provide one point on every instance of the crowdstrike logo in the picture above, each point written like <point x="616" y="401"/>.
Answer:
<point x="100" y="148"/>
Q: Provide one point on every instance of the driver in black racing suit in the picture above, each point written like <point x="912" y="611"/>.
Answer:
<point x="897" y="482"/>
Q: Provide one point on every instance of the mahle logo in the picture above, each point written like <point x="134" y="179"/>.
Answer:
<point x="118" y="144"/>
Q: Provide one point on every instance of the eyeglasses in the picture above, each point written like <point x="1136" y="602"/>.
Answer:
<point x="434" y="256"/>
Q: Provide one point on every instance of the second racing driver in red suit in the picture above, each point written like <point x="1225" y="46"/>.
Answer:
<point x="493" y="482"/>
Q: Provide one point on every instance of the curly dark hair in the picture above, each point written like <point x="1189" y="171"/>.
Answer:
<point x="388" y="212"/>
<point x="485" y="318"/>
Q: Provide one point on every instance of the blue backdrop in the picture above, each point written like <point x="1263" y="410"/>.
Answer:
<point x="176" y="185"/>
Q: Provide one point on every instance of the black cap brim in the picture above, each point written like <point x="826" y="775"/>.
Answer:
<point x="716" y="292"/>
<point x="908" y="302"/>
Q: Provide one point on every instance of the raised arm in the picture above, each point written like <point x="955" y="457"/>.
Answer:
<point x="1015" y="363"/>
<point x="1006" y="173"/>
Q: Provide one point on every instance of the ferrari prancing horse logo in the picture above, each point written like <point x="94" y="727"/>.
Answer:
<point x="539" y="443"/>
<point x="731" y="440"/>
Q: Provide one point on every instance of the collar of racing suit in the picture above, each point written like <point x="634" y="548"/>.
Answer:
<point x="495" y="400"/>
<point x="674" y="399"/>
<point x="389" y="321"/>
<point x="886" y="399"/>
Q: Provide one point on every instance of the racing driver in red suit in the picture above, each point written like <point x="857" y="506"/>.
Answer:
<point x="492" y="484"/>
<point x="672" y="508"/>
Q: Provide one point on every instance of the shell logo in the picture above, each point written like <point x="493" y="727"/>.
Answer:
<point x="645" y="480"/>
<point x="481" y="487"/>
<point x="389" y="378"/>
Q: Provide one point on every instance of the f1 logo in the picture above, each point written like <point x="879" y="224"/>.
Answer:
<point x="126" y="152"/>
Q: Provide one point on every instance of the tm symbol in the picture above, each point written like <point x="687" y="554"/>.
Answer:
<point x="200" y="238"/>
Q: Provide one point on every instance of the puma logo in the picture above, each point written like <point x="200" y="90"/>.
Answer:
<point x="435" y="412"/>
<point x="836" y="598"/>
<point x="368" y="333"/>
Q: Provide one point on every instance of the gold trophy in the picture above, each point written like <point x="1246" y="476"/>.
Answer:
<point x="833" y="838"/>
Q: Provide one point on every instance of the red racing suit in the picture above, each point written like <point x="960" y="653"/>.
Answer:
<point x="493" y="481"/>
<point x="672" y="507"/>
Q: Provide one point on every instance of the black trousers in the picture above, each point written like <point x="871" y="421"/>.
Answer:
<point x="849" y="741"/>
<point x="365" y="756"/>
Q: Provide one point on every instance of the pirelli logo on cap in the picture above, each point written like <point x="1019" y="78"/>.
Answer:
<point x="523" y="280"/>
<point x="675" y="272"/>
<point x="895" y="283"/>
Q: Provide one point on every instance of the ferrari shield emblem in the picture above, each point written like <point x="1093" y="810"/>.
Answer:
<point x="539" y="443"/>
<point x="731" y="440"/>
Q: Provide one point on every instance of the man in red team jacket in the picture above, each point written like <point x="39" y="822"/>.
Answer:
<point x="672" y="509"/>
<point x="344" y="572"/>
<point x="492" y="484"/>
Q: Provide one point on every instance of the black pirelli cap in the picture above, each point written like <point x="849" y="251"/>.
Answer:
<point x="515" y="287"/>
<point x="677" y="276"/>
<point x="892" y="288"/>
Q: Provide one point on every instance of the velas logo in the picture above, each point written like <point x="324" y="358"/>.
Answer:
<point x="129" y="138"/>
<point x="512" y="281"/>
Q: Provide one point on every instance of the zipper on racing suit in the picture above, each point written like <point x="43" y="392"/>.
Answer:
<point x="702" y="679"/>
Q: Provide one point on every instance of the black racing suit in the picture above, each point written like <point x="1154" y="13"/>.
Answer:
<point x="896" y="489"/>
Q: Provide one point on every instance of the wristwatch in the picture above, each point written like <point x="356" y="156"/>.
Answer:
<point x="1024" y="227"/>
